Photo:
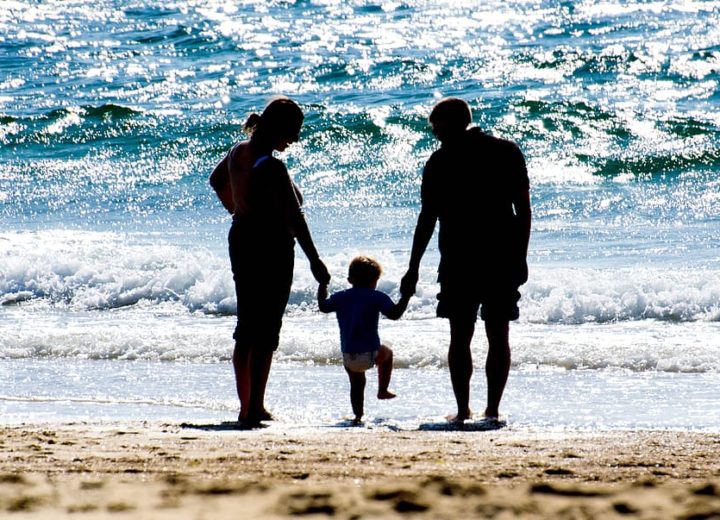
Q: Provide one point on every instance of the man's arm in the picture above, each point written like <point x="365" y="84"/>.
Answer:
<point x="423" y="229"/>
<point x="421" y="238"/>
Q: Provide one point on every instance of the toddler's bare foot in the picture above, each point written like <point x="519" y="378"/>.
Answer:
<point x="386" y="394"/>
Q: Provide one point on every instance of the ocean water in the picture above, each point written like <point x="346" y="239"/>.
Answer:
<point x="116" y="297"/>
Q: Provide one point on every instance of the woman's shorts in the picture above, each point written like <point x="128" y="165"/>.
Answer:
<point x="263" y="276"/>
<point x="359" y="361"/>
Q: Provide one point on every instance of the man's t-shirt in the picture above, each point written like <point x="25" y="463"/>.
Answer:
<point x="471" y="186"/>
<point x="358" y="311"/>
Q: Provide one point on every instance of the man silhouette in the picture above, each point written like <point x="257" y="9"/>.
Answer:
<point x="477" y="187"/>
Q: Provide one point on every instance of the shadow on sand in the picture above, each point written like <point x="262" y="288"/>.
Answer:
<point x="483" y="425"/>
<point x="377" y="423"/>
<point x="225" y="426"/>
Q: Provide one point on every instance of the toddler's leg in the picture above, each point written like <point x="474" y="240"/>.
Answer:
<point x="384" y="363"/>
<point x="357" y="394"/>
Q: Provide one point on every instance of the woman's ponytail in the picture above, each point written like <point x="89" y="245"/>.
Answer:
<point x="252" y="123"/>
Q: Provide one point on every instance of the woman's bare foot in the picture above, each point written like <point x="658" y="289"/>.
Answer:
<point x="255" y="417"/>
<point x="264" y="415"/>
<point x="385" y="394"/>
<point x="248" y="423"/>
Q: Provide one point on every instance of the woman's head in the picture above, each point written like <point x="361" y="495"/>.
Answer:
<point x="450" y="117"/>
<point x="364" y="272"/>
<point x="277" y="126"/>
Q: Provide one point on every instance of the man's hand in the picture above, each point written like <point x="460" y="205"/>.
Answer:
<point x="320" y="272"/>
<point x="408" y="284"/>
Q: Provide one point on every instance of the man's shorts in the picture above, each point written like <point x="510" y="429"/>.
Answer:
<point x="462" y="303"/>
<point x="359" y="361"/>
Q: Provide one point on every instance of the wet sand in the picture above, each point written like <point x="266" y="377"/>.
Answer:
<point x="158" y="471"/>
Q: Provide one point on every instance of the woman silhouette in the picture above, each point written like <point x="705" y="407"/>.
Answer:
<point x="267" y="220"/>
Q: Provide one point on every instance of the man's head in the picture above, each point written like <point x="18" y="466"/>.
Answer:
<point x="364" y="272"/>
<point x="449" y="118"/>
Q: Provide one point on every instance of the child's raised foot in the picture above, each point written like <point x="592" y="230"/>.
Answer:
<point x="386" y="394"/>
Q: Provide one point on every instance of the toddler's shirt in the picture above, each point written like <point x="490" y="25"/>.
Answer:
<point x="358" y="310"/>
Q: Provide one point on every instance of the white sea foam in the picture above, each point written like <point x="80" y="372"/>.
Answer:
<point x="165" y="332"/>
<point x="89" y="295"/>
<point x="84" y="271"/>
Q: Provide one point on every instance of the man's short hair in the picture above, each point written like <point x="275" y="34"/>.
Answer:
<point x="453" y="112"/>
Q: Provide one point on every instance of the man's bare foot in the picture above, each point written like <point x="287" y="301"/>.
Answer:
<point x="491" y="414"/>
<point x="386" y="394"/>
<point x="460" y="417"/>
<point x="357" y="421"/>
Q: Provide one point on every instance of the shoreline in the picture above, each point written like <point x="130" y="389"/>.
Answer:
<point x="163" y="470"/>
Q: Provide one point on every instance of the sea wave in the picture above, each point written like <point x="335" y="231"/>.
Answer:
<point x="103" y="271"/>
<point x="310" y="338"/>
<point x="365" y="146"/>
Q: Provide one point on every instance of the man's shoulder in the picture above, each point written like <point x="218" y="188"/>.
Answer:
<point x="500" y="144"/>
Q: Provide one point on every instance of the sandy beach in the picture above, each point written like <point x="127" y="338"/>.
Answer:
<point x="159" y="470"/>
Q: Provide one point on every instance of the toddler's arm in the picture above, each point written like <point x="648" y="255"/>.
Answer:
<point x="397" y="311"/>
<point x="322" y="296"/>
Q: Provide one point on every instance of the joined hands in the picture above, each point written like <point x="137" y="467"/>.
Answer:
<point x="408" y="284"/>
<point x="320" y="272"/>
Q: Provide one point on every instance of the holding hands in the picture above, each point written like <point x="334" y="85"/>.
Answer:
<point x="408" y="284"/>
<point x="320" y="272"/>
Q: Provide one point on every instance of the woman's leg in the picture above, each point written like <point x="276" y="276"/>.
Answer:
<point x="271" y="294"/>
<point x="261" y="361"/>
<point x="241" y="365"/>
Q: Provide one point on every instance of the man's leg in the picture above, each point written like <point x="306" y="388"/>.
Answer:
<point x="460" y="364"/>
<point x="497" y="365"/>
